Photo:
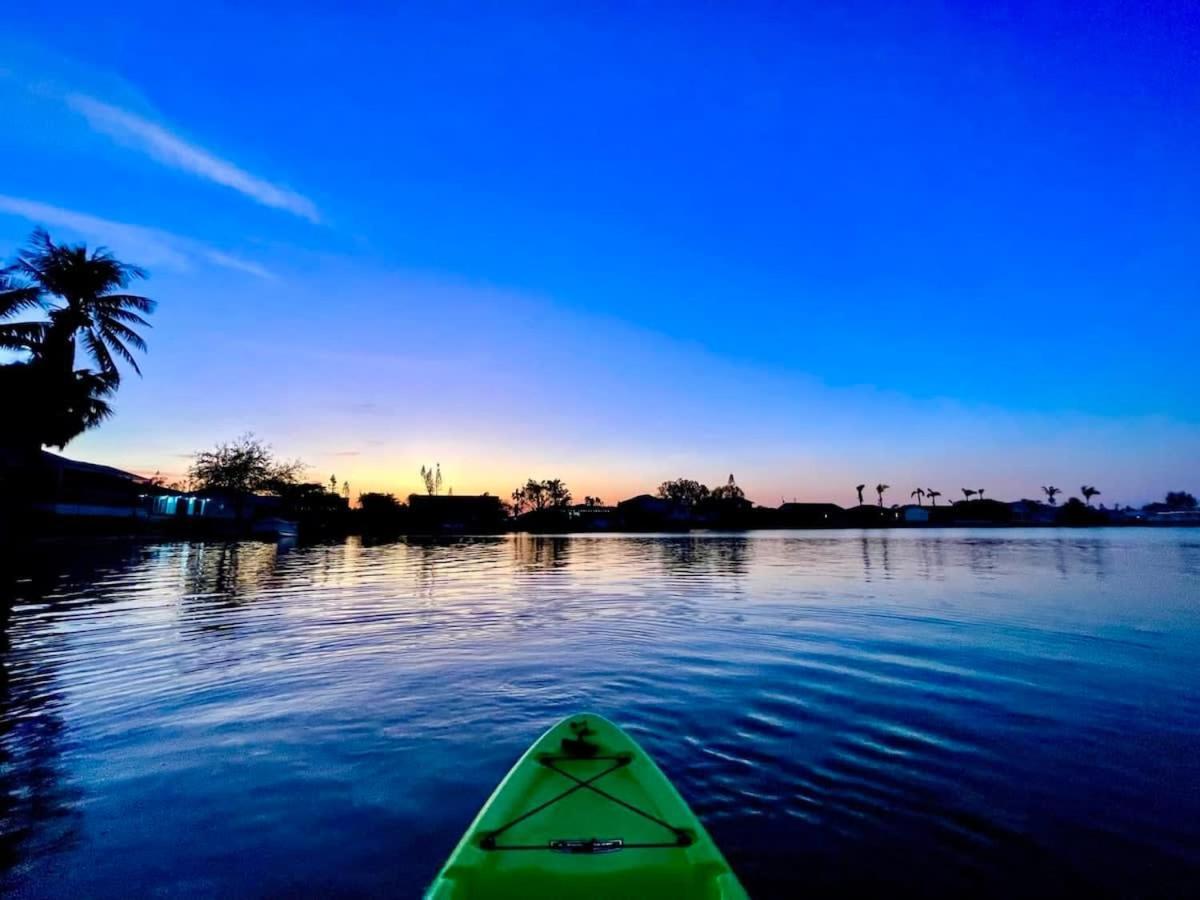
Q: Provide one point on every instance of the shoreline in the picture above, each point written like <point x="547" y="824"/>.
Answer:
<point x="151" y="533"/>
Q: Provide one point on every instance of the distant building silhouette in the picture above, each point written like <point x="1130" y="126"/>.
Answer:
<point x="648" y="513"/>
<point x="810" y="515"/>
<point x="71" y="495"/>
<point x="64" y="487"/>
<point x="458" y="514"/>
<point x="1032" y="512"/>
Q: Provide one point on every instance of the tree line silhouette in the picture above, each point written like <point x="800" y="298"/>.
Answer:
<point x="920" y="494"/>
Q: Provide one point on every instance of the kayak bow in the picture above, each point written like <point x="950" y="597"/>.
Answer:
<point x="585" y="813"/>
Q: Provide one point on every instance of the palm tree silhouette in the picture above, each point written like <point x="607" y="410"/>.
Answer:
<point x="879" y="489"/>
<point x="1088" y="493"/>
<point x="968" y="493"/>
<point x="1050" y="492"/>
<point x="82" y="291"/>
<point x="918" y="493"/>
<point x="860" y="490"/>
<point x="932" y="495"/>
<point x="980" y="493"/>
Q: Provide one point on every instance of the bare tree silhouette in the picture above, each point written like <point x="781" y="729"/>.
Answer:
<point x="432" y="478"/>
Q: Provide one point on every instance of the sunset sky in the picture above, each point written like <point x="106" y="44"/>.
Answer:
<point x="916" y="244"/>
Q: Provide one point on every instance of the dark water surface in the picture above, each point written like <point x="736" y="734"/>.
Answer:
<point x="920" y="711"/>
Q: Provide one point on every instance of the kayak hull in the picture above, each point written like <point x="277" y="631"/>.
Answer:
<point x="585" y="813"/>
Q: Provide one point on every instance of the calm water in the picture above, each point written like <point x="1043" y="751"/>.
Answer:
<point x="922" y="711"/>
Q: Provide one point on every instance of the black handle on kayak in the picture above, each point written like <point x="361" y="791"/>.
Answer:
<point x="591" y="845"/>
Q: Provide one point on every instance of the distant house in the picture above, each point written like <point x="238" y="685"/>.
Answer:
<point x="215" y="505"/>
<point x="867" y="516"/>
<point x="736" y="504"/>
<point x="810" y="515"/>
<point x="178" y="505"/>
<point x="648" y="504"/>
<point x="726" y="512"/>
<point x="1175" y="517"/>
<point x="914" y="515"/>
<point x="71" y="488"/>
<point x="73" y="494"/>
<point x="457" y="513"/>
<point x="980" y="512"/>
<point x="1032" y="512"/>
<point x="648" y="513"/>
<point x="591" y="518"/>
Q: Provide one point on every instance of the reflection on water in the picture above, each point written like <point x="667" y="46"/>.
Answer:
<point x="533" y="552"/>
<point x="36" y="802"/>
<point x="932" y="711"/>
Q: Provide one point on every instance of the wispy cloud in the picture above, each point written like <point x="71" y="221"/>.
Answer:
<point x="145" y="246"/>
<point x="133" y="130"/>
<point x="216" y="257"/>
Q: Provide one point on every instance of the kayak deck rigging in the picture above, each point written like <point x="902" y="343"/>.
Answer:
<point x="680" y="836"/>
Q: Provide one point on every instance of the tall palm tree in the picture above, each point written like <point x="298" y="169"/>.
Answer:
<point x="1088" y="493"/>
<point x="81" y="296"/>
<point x="879" y="489"/>
<point x="84" y="295"/>
<point x="918" y="493"/>
<point x="932" y="495"/>
<point x="968" y="493"/>
<point x="1050" y="492"/>
<point x="860" y="490"/>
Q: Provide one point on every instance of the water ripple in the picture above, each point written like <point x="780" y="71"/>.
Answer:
<point x="1017" y="711"/>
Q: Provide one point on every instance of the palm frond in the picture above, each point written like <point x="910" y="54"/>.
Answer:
<point x="31" y="260"/>
<point x="126" y="301"/>
<point x="16" y="297"/>
<point x="116" y="345"/>
<point x="22" y="335"/>
<point x="124" y="315"/>
<point x="115" y="332"/>
<point x="100" y="354"/>
<point x="97" y="411"/>
<point x="99" y="383"/>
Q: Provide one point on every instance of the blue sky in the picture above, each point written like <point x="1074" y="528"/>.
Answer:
<point x="814" y="247"/>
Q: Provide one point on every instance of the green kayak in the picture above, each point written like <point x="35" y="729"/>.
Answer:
<point x="585" y="813"/>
